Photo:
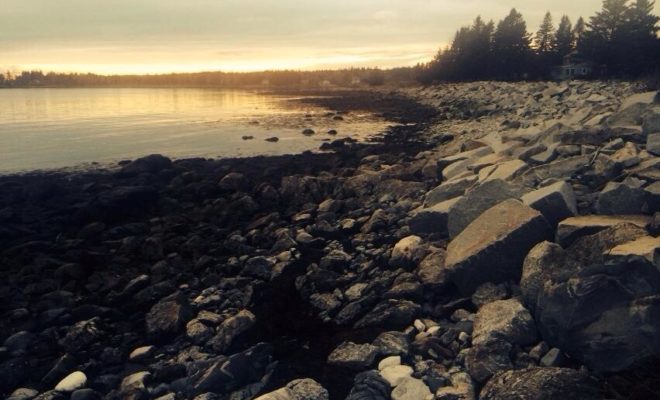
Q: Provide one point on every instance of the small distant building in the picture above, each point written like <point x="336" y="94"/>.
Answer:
<point x="573" y="67"/>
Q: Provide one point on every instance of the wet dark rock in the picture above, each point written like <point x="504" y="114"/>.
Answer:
<point x="370" y="386"/>
<point x="390" y="314"/>
<point x="541" y="384"/>
<point x="393" y="343"/>
<point x="488" y="358"/>
<point x="230" y="329"/>
<point x="150" y="164"/>
<point x="620" y="199"/>
<point x="168" y="317"/>
<point x="506" y="320"/>
<point x="82" y="335"/>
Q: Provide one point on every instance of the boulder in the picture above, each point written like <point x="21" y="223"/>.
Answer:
<point x="539" y="265"/>
<point x="153" y="163"/>
<point x="572" y="228"/>
<point x="448" y="191"/>
<point x="478" y="200"/>
<point x="353" y="356"/>
<point x="492" y="248"/>
<point x="620" y="199"/>
<point x="651" y="121"/>
<point x="392" y="313"/>
<point x="628" y="156"/>
<point x="556" y="202"/>
<point x="645" y="246"/>
<point x="504" y="319"/>
<point x="488" y="358"/>
<point x="505" y="171"/>
<point x="431" y="270"/>
<point x="433" y="219"/>
<point x="564" y="168"/>
<point x="653" y="143"/>
<point x="541" y="384"/>
<point x="653" y="197"/>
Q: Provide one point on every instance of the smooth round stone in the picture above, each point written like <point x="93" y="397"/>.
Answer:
<point x="412" y="389"/>
<point x="389" y="362"/>
<point x="396" y="374"/>
<point x="141" y="353"/>
<point x="23" y="394"/>
<point x="74" y="381"/>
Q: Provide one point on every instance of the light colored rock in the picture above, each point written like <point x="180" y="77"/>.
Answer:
<point x="412" y="389"/>
<point x="299" y="389"/>
<point x="23" y="394"/>
<point x="541" y="383"/>
<point x="478" y="200"/>
<point x="462" y="388"/>
<point x="448" y="190"/>
<point x="231" y="328"/>
<point x="389" y="362"/>
<point x="137" y="380"/>
<point x="647" y="247"/>
<point x="505" y="171"/>
<point x="73" y="381"/>
<point x="492" y="248"/>
<point x="396" y="374"/>
<point x="556" y="202"/>
<point x="572" y="228"/>
<point x="628" y="156"/>
<point x="408" y="252"/>
<point x="141" y="353"/>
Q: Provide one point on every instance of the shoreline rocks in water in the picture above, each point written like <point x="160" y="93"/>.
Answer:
<point x="504" y="246"/>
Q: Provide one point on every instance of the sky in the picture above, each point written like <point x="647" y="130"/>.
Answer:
<point x="158" y="36"/>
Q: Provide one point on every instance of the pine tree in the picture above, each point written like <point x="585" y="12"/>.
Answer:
<point x="564" y="38"/>
<point x="544" y="41"/>
<point x="511" y="47"/>
<point x="605" y="39"/>
<point x="578" y="31"/>
<point x="641" y="36"/>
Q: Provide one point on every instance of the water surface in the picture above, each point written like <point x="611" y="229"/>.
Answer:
<point x="55" y="128"/>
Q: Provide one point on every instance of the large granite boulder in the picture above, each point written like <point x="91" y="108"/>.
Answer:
<point x="600" y="308"/>
<point x="504" y="319"/>
<point x="478" y="200"/>
<point x="541" y="384"/>
<point x="556" y="202"/>
<point x="493" y="247"/>
<point x="573" y="228"/>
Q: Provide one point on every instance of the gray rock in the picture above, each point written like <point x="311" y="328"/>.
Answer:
<point x="390" y="314"/>
<point x="620" y="198"/>
<point x="486" y="359"/>
<point x="478" y="200"/>
<point x="19" y="343"/>
<point x="556" y="202"/>
<point x="353" y="356"/>
<point x="573" y="228"/>
<point x="645" y="246"/>
<point x="504" y="319"/>
<point x="230" y="329"/>
<point x="651" y="122"/>
<point x="541" y="384"/>
<point x="492" y="248"/>
<point x="448" y="191"/>
<point x="168" y="317"/>
<point x="86" y="394"/>
<point x="653" y="143"/>
<point x="537" y="270"/>
<point x="433" y="219"/>
<point x="553" y="358"/>
<point x="431" y="271"/>
<point x="393" y="344"/>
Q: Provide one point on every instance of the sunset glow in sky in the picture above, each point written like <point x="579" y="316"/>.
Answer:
<point x="157" y="36"/>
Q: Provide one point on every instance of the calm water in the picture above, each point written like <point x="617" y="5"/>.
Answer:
<point x="54" y="128"/>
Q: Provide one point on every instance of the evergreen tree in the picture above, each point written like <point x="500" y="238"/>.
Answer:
<point x="544" y="41"/>
<point x="641" y="37"/>
<point x="564" y="38"/>
<point x="511" y="47"/>
<point x="578" y="31"/>
<point x="605" y="39"/>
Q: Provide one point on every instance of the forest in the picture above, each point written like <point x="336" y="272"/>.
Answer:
<point x="619" y="41"/>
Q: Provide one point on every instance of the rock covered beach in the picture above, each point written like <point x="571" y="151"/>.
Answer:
<point x="504" y="246"/>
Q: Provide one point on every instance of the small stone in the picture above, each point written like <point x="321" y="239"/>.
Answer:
<point x="553" y="358"/>
<point x="74" y="381"/>
<point x="389" y="362"/>
<point x="142" y="353"/>
<point x="395" y="374"/>
<point x="23" y="394"/>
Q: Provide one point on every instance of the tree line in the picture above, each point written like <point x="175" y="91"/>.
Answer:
<point x="621" y="40"/>
<point x="302" y="79"/>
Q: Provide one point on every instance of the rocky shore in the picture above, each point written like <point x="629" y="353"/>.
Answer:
<point x="503" y="244"/>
